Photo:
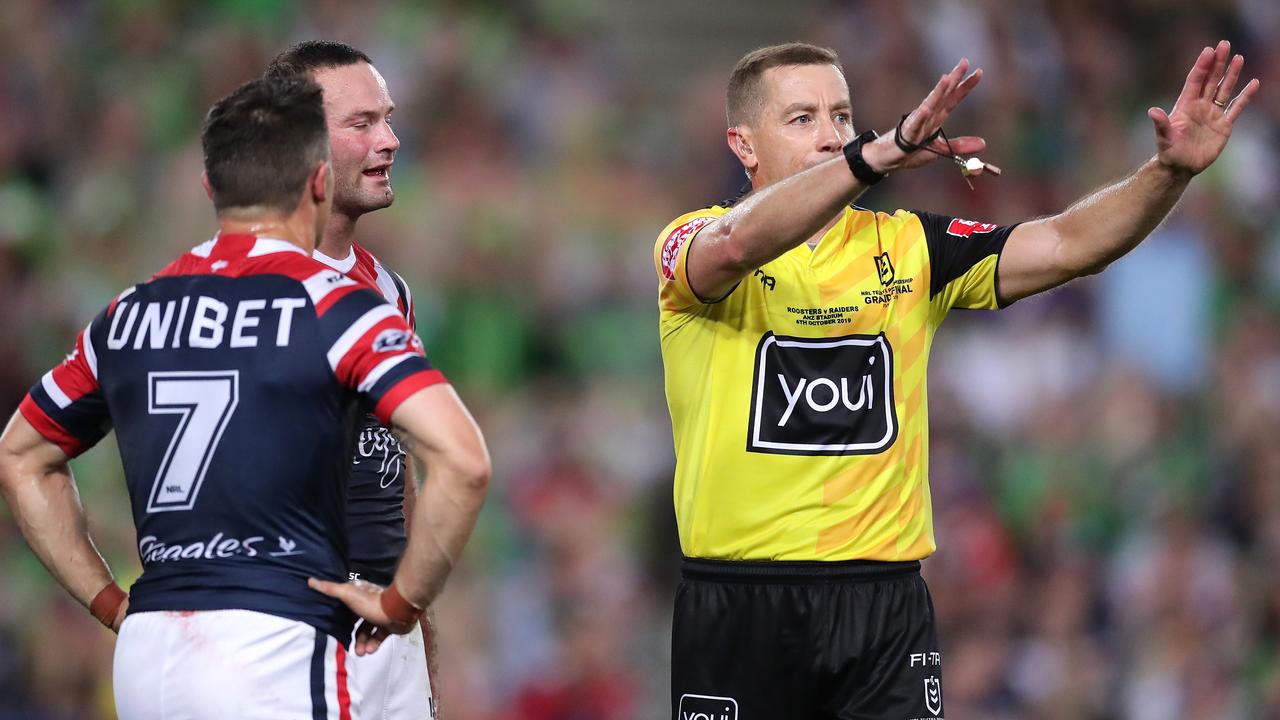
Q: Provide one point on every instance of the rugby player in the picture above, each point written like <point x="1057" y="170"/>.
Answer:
<point x="795" y="332"/>
<point x="395" y="682"/>
<point x="233" y="379"/>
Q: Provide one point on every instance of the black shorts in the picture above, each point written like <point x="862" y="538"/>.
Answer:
<point x="800" y="640"/>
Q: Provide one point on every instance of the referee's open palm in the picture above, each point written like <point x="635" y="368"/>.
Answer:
<point x="1192" y="136"/>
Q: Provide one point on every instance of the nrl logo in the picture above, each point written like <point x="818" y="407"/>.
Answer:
<point x="933" y="696"/>
<point x="884" y="268"/>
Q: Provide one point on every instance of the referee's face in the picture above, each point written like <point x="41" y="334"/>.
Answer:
<point x="358" y="109"/>
<point x="804" y="121"/>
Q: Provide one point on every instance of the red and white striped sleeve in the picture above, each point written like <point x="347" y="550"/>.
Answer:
<point x="67" y="406"/>
<point x="371" y="348"/>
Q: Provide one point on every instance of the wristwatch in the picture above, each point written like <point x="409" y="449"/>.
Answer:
<point x="857" y="164"/>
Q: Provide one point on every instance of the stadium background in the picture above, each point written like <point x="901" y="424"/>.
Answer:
<point x="1105" y="460"/>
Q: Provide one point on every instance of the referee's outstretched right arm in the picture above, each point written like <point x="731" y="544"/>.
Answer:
<point x="785" y="213"/>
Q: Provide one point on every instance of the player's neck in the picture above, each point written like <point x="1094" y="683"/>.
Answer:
<point x="294" y="228"/>
<point x="339" y="235"/>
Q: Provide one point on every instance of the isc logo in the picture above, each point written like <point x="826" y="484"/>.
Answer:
<point x="822" y="396"/>
<point x="707" y="707"/>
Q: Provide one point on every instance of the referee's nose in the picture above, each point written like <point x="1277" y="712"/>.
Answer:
<point x="829" y="140"/>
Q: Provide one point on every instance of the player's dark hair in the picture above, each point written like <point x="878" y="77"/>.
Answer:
<point x="745" y="96"/>
<point x="310" y="55"/>
<point x="262" y="142"/>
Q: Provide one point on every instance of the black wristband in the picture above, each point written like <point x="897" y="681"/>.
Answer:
<point x="857" y="164"/>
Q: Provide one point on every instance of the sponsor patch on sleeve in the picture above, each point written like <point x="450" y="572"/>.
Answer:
<point x="677" y="238"/>
<point x="965" y="228"/>
<point x="394" y="340"/>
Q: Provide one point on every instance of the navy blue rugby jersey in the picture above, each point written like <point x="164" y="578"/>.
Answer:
<point x="375" y="497"/>
<point x="234" y="379"/>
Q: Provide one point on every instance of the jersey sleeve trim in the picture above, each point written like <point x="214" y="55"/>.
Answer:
<point x="357" y="330"/>
<point x="671" y="257"/>
<point x="382" y="369"/>
<point x="49" y="429"/>
<point x="67" y="406"/>
<point x="1001" y="301"/>
<point x="55" y="393"/>
<point x="402" y="390"/>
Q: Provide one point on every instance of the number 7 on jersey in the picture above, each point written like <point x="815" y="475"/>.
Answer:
<point x="205" y="402"/>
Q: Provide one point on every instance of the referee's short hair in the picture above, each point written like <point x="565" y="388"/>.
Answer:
<point x="309" y="56"/>
<point x="745" y="96"/>
<point x="262" y="142"/>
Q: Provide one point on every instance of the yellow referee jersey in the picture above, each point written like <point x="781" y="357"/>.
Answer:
<point x="798" y="402"/>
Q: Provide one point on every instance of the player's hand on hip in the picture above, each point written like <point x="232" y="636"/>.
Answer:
<point x="1191" y="136"/>
<point x="365" y="599"/>
<point x="120" y="613"/>
<point x="884" y="155"/>
<point x="369" y="637"/>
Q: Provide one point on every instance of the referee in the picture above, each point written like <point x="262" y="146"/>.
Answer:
<point x="795" y="334"/>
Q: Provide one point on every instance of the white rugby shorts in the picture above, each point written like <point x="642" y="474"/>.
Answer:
<point x="393" y="683"/>
<point x="220" y="664"/>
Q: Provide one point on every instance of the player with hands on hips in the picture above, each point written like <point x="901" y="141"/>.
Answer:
<point x="232" y="379"/>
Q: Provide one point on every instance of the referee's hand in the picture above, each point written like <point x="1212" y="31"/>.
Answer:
<point x="365" y="599"/>
<point x="924" y="121"/>
<point x="1192" y="135"/>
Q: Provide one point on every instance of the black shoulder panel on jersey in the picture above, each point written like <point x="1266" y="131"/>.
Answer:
<point x="956" y="245"/>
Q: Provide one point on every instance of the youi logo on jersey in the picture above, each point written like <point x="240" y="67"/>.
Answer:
<point x="707" y="707"/>
<point x="822" y="396"/>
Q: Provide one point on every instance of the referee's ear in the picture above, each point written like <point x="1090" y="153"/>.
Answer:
<point x="739" y="138"/>
<point x="204" y="181"/>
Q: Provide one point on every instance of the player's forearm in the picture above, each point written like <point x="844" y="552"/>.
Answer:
<point x="433" y="653"/>
<point x="443" y="519"/>
<point x="47" y="508"/>
<point x="410" y="500"/>
<point x="1105" y="225"/>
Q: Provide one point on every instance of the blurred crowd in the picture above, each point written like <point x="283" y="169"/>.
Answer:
<point x="1104" y="459"/>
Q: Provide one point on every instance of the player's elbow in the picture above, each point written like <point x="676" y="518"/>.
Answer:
<point x="1075" y="253"/>
<point x="473" y="469"/>
<point x="1081" y="264"/>
<point x="10" y="463"/>
<point x="1093" y="267"/>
